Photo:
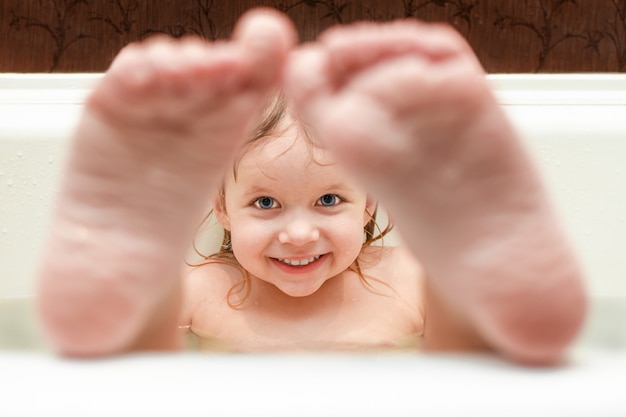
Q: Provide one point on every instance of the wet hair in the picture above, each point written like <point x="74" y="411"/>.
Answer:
<point x="276" y="110"/>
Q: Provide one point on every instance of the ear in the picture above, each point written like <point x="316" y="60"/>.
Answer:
<point x="219" y="209"/>
<point x="370" y="208"/>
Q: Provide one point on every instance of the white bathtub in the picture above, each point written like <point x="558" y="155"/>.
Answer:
<point x="574" y="124"/>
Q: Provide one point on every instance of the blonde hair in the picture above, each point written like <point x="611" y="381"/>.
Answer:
<point x="273" y="114"/>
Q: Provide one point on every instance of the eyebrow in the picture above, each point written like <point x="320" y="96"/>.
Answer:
<point x="333" y="187"/>
<point x="255" y="189"/>
<point x="339" y="186"/>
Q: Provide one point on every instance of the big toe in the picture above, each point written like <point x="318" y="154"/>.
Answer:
<point x="267" y="36"/>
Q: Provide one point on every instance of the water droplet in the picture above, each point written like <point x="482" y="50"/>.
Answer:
<point x="20" y="154"/>
<point x="10" y="182"/>
<point x="5" y="231"/>
<point x="354" y="299"/>
<point x="50" y="160"/>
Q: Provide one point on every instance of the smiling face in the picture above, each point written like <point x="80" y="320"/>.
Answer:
<point x="295" y="219"/>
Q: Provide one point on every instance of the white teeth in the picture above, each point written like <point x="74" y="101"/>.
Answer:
<point x="300" y="262"/>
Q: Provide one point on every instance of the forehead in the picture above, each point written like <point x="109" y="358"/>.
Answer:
<point x="273" y="155"/>
<point x="289" y="156"/>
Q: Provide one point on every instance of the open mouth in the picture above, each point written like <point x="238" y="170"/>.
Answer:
<point x="299" y="262"/>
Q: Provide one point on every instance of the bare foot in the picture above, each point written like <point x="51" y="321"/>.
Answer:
<point x="407" y="107"/>
<point x="154" y="139"/>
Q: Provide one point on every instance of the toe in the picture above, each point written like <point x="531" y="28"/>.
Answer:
<point x="266" y="37"/>
<point x="352" y="48"/>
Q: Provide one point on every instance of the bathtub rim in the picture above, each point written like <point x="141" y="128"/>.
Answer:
<point x="595" y="89"/>
<point x="310" y="385"/>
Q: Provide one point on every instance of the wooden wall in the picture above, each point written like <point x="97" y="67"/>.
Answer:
<point x="507" y="35"/>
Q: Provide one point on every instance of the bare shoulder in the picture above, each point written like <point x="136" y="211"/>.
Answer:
<point x="211" y="277"/>
<point x="395" y="267"/>
<point x="399" y="275"/>
<point x="206" y="286"/>
<point x="396" y="262"/>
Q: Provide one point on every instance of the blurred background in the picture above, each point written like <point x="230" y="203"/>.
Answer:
<point x="508" y="36"/>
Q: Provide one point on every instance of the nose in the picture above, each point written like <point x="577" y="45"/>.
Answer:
<point x="299" y="231"/>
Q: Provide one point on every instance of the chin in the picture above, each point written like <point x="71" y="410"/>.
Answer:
<point x="299" y="291"/>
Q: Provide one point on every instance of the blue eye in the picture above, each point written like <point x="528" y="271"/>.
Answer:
<point x="329" y="200"/>
<point x="264" y="203"/>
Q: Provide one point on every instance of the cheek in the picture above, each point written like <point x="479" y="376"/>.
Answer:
<point x="248" y="236"/>
<point x="348" y="242"/>
<point x="350" y="233"/>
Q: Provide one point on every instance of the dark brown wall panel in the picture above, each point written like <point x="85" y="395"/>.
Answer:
<point x="507" y="35"/>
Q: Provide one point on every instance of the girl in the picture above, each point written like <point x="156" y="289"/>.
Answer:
<point x="406" y="110"/>
<point x="297" y="268"/>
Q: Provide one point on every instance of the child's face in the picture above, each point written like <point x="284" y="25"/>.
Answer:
<point x="296" y="220"/>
